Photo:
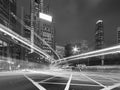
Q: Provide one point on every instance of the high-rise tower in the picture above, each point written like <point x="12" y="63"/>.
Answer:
<point x="99" y="35"/>
<point x="99" y="38"/>
<point x="40" y="27"/>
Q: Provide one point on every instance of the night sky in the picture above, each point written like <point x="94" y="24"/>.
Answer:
<point x="76" y="19"/>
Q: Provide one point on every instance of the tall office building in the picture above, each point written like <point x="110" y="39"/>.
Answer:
<point x="41" y="28"/>
<point x="118" y="35"/>
<point x="47" y="28"/>
<point x="99" y="35"/>
<point x="8" y="46"/>
<point x="7" y="9"/>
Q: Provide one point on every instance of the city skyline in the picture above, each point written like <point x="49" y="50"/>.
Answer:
<point x="59" y="44"/>
<point x="83" y="14"/>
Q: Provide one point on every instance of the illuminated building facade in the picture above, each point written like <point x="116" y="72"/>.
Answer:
<point x="41" y="29"/>
<point x="47" y="28"/>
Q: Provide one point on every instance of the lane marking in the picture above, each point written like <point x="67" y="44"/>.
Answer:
<point x="35" y="83"/>
<point x="111" y="87"/>
<point x="106" y="77"/>
<point x="113" y="80"/>
<point x="71" y="84"/>
<point x="68" y="83"/>
<point x="93" y="80"/>
<point x="46" y="79"/>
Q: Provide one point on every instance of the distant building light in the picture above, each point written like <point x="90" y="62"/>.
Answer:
<point x="99" y="21"/>
<point x="45" y="17"/>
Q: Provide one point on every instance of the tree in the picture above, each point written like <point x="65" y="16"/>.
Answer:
<point x="68" y="50"/>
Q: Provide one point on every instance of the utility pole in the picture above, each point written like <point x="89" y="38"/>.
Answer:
<point x="102" y="60"/>
<point x="32" y="27"/>
<point x="22" y="18"/>
<point x="22" y="31"/>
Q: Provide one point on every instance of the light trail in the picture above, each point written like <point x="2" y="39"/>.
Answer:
<point x="106" y="51"/>
<point x="22" y="40"/>
<point x="47" y="44"/>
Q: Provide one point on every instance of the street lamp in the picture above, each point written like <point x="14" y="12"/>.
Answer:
<point x="75" y="49"/>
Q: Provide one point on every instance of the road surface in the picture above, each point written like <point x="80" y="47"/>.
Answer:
<point x="59" y="80"/>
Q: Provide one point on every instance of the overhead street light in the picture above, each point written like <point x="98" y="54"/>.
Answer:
<point x="75" y="49"/>
<point x="45" y="17"/>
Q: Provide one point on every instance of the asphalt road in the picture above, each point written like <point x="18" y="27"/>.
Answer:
<point x="59" y="80"/>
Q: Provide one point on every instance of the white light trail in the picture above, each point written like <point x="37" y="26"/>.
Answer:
<point x="21" y="39"/>
<point x="47" y="45"/>
<point x="110" y="50"/>
<point x="45" y="17"/>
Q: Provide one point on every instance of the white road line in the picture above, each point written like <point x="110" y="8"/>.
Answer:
<point x="46" y="79"/>
<point x="35" y="83"/>
<point x="111" y="87"/>
<point x="110" y="79"/>
<point x="106" y="77"/>
<point x="68" y="83"/>
<point x="71" y="84"/>
<point x="93" y="80"/>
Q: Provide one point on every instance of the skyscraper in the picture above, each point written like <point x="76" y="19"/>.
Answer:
<point x="35" y="28"/>
<point x="8" y="46"/>
<point x="41" y="28"/>
<point x="99" y="35"/>
<point x="99" y="38"/>
<point x="118" y="35"/>
<point x="47" y="28"/>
